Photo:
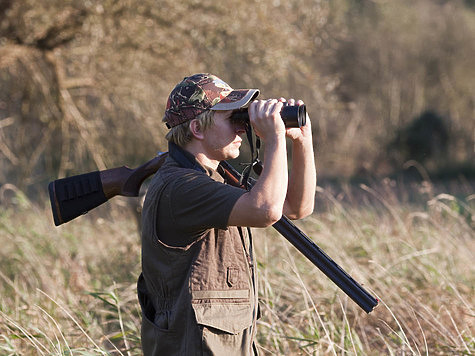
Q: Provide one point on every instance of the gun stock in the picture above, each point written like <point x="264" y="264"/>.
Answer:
<point x="74" y="196"/>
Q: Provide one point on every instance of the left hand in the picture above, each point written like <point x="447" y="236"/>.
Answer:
<point x="298" y="133"/>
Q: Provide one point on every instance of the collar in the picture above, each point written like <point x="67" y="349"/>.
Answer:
<point x="185" y="159"/>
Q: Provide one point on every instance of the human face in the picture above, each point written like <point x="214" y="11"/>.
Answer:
<point x="223" y="139"/>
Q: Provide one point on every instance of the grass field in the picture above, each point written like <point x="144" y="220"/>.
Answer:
<point x="71" y="290"/>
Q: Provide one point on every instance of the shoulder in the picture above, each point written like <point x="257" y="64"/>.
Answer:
<point x="179" y="175"/>
<point x="171" y="171"/>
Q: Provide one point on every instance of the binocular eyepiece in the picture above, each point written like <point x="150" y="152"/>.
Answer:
<point x="293" y="116"/>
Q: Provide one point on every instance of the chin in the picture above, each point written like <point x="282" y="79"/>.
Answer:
<point x="236" y="153"/>
<point x="232" y="155"/>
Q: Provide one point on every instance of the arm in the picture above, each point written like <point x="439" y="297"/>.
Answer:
<point x="300" y="199"/>
<point x="263" y="205"/>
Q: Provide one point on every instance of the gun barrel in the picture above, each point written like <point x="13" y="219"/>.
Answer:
<point x="316" y="255"/>
<point x="329" y="267"/>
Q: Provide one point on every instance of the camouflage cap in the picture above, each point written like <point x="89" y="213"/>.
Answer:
<point x="200" y="92"/>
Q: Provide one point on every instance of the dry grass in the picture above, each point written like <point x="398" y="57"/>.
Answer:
<point x="71" y="290"/>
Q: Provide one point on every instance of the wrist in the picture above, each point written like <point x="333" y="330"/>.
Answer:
<point x="275" y="138"/>
<point x="302" y="140"/>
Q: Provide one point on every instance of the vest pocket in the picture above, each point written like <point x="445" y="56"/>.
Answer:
<point x="157" y="339"/>
<point x="159" y="320"/>
<point x="225" y="328"/>
<point x="230" y="318"/>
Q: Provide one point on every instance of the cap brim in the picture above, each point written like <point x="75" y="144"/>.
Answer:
<point x="236" y="99"/>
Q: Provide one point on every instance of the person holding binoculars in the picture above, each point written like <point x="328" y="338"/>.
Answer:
<point x="198" y="287"/>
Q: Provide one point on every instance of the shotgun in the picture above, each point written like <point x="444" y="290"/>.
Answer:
<point x="74" y="196"/>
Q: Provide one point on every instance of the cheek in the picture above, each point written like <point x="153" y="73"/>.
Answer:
<point x="221" y="136"/>
<point x="232" y="131"/>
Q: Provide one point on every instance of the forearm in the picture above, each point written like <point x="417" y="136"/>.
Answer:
<point x="300" y="198"/>
<point x="263" y="204"/>
<point x="270" y="189"/>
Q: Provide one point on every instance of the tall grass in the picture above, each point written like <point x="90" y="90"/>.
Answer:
<point x="71" y="290"/>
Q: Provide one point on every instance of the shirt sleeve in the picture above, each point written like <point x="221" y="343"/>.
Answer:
<point x="199" y="202"/>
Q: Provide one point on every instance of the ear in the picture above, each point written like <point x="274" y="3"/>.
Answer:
<point x="196" y="130"/>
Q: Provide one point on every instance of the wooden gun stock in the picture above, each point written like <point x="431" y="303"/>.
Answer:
<point x="74" y="196"/>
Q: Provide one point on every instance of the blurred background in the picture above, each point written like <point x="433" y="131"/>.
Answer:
<point x="389" y="85"/>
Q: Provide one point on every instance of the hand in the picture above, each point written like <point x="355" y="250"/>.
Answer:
<point x="265" y="118"/>
<point x="298" y="133"/>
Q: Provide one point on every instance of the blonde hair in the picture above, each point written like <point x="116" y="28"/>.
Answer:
<point x="181" y="134"/>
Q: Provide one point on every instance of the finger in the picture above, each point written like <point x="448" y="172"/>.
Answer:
<point x="255" y="107"/>
<point x="269" y="106"/>
<point x="261" y="105"/>
<point x="276" y="107"/>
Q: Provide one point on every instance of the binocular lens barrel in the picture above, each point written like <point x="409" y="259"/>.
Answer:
<point x="293" y="116"/>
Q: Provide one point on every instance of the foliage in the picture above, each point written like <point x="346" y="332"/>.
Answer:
<point x="83" y="84"/>
<point x="401" y="59"/>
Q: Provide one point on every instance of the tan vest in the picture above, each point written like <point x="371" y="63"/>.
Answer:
<point x="199" y="299"/>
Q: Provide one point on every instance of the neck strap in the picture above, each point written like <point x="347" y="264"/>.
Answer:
<point x="255" y="163"/>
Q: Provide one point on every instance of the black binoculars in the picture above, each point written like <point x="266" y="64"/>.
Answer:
<point x="292" y="115"/>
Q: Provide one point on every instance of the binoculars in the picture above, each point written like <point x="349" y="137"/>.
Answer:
<point x="293" y="116"/>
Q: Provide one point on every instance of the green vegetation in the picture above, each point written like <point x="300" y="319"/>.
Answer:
<point x="71" y="290"/>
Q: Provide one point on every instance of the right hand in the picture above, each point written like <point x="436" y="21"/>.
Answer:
<point x="265" y="118"/>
